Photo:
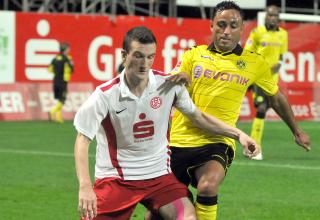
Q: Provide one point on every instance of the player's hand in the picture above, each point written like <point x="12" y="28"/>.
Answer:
<point x="87" y="206"/>
<point x="180" y="78"/>
<point x="302" y="139"/>
<point x="275" y="68"/>
<point x="250" y="147"/>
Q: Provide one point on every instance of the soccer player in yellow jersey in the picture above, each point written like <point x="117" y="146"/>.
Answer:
<point x="220" y="75"/>
<point x="62" y="67"/>
<point x="271" y="41"/>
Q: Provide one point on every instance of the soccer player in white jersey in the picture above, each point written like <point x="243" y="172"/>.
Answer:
<point x="129" y="116"/>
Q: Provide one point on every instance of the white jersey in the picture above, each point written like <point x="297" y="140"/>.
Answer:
<point x="132" y="132"/>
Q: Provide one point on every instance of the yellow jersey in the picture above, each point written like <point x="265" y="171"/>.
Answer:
<point x="219" y="83"/>
<point x="270" y="44"/>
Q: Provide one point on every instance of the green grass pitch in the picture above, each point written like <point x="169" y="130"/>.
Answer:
<point x="38" y="180"/>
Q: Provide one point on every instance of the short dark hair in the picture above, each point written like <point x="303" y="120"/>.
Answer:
<point x="63" y="46"/>
<point x="141" y="34"/>
<point x="227" y="5"/>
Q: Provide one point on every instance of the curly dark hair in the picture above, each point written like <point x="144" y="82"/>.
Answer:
<point x="227" y="5"/>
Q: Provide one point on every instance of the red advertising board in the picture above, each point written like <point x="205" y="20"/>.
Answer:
<point x="96" y="43"/>
<point x="32" y="101"/>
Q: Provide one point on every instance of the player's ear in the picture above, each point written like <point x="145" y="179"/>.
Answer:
<point x="211" y="25"/>
<point x="241" y="27"/>
<point x="123" y="54"/>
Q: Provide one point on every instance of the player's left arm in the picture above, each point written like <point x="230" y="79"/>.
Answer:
<point x="280" y="104"/>
<point x="276" y="67"/>
<point x="284" y="49"/>
<point x="70" y="63"/>
<point x="68" y="68"/>
<point x="252" y="41"/>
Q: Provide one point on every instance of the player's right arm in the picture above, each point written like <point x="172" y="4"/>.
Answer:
<point x="50" y="67"/>
<point x="252" y="41"/>
<point x="181" y="74"/>
<point x="87" y="198"/>
<point x="87" y="122"/>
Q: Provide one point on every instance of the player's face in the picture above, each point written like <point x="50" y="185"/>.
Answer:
<point x="226" y="28"/>
<point x="67" y="50"/>
<point x="272" y="17"/>
<point x="139" y="59"/>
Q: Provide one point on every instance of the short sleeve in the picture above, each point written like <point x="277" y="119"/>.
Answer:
<point x="90" y="115"/>
<point x="284" y="48"/>
<point x="265" y="80"/>
<point x="183" y="101"/>
<point x="185" y="64"/>
<point x="252" y="41"/>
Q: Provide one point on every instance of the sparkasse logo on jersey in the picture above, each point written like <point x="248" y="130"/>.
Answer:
<point x="143" y="129"/>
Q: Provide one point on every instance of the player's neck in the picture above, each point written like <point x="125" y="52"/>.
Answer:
<point x="272" y="27"/>
<point x="224" y="50"/>
<point x="136" y="85"/>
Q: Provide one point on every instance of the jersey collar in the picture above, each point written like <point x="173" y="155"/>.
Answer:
<point x="124" y="89"/>
<point x="237" y="50"/>
<point x="268" y="29"/>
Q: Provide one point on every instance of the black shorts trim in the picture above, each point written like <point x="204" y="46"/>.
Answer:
<point x="60" y="91"/>
<point x="260" y="97"/>
<point x="184" y="161"/>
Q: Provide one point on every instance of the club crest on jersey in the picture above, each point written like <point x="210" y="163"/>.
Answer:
<point x="155" y="102"/>
<point x="241" y="64"/>
<point x="249" y="42"/>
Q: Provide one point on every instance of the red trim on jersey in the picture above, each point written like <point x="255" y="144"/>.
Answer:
<point x="168" y="149"/>
<point x="114" y="82"/>
<point x="168" y="131"/>
<point x="112" y="143"/>
<point x="157" y="72"/>
<point x="168" y="134"/>
<point x="174" y="100"/>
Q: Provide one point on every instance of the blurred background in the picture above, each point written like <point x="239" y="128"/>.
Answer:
<point x="37" y="175"/>
<point x="167" y="8"/>
<point x="30" y="32"/>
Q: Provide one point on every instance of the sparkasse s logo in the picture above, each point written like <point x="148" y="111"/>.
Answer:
<point x="143" y="129"/>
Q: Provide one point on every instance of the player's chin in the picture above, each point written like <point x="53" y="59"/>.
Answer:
<point x="141" y="74"/>
<point x="226" y="46"/>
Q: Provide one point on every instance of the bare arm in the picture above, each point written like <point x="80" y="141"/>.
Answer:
<point x="87" y="197"/>
<point x="216" y="126"/>
<point x="280" y="104"/>
<point x="275" y="68"/>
